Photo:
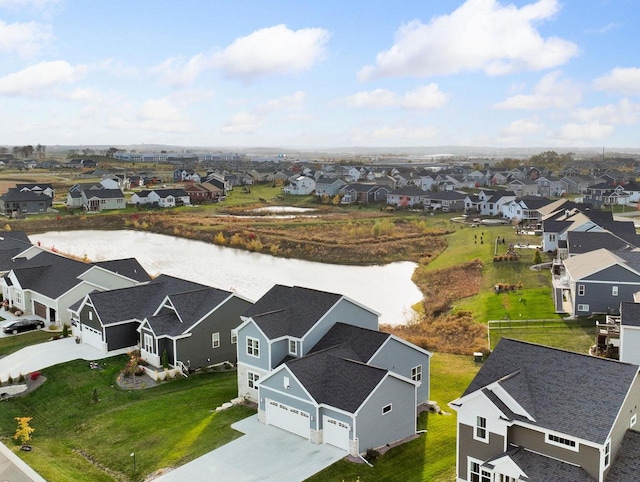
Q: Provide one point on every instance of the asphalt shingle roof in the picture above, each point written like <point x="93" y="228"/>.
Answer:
<point x="564" y="389"/>
<point x="362" y="341"/>
<point x="335" y="380"/>
<point x="629" y="314"/>
<point x="626" y="465"/>
<point x="129" y="267"/>
<point x="290" y="311"/>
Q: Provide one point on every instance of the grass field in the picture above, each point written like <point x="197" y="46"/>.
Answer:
<point x="10" y="344"/>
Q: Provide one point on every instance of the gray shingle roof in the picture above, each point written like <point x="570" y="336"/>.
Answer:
<point x="626" y="465"/>
<point x="564" y="389"/>
<point x="332" y="379"/>
<point x="290" y="311"/>
<point x="362" y="341"/>
<point x="582" y="242"/>
<point x="129" y="267"/>
<point x="539" y="468"/>
<point x="629" y="313"/>
<point x="138" y="302"/>
<point x="48" y="273"/>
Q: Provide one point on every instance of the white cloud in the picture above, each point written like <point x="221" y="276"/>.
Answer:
<point x="176" y="72"/>
<point x="33" y="80"/>
<point x="620" y="80"/>
<point x="522" y="128"/>
<point x="24" y="39"/>
<point x="242" y="123"/>
<point x="551" y="92"/>
<point x="481" y="35"/>
<point x="584" y="132"/>
<point x="294" y="101"/>
<point x="424" y="98"/>
<point x="161" y="115"/>
<point x="624" y="112"/>
<point x="273" y="50"/>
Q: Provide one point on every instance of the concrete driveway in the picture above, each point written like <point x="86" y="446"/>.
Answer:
<point x="43" y="355"/>
<point x="264" y="453"/>
<point x="13" y="469"/>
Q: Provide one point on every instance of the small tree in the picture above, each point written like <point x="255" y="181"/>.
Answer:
<point x="94" y="396"/>
<point x="537" y="257"/>
<point x="24" y="431"/>
<point x="65" y="330"/>
<point x="165" y="359"/>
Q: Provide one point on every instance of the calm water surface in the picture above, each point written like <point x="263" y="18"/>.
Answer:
<point x="388" y="289"/>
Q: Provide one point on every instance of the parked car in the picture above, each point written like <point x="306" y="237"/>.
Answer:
<point x="19" y="326"/>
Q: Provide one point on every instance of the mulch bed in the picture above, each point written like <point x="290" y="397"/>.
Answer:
<point x="31" y="385"/>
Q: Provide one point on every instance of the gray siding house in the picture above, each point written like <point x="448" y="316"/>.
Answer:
<point x="534" y="413"/>
<point x="194" y="328"/>
<point x="318" y="367"/>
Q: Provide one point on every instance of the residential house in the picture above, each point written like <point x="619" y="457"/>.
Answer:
<point x="326" y="186"/>
<point x="301" y="186"/>
<point x="109" y="320"/>
<point x="577" y="184"/>
<point x="597" y="281"/>
<point x="194" y="329"/>
<point x="115" y="181"/>
<point x="318" y="367"/>
<point x="406" y="197"/>
<point x="525" y="210"/>
<point x="550" y="186"/>
<point x="534" y="413"/>
<point x="523" y="188"/>
<point x="364" y="193"/>
<point x="16" y="202"/>
<point x="47" y="284"/>
<point x="94" y="197"/>
<point x="43" y="188"/>
<point x="445" y="201"/>
<point x="165" y="198"/>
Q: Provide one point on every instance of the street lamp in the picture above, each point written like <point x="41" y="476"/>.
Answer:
<point x="133" y="454"/>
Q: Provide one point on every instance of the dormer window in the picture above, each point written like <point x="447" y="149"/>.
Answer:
<point x="293" y="347"/>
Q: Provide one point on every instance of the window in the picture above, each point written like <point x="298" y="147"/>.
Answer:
<point x="90" y="315"/>
<point x="253" y="380"/>
<point x="253" y="347"/>
<point x="478" y="474"/>
<point x="633" y="420"/>
<point x="386" y="409"/>
<point x="234" y="338"/>
<point x="607" y="454"/>
<point x="580" y="290"/>
<point x="148" y="343"/>
<point x="481" y="428"/>
<point x="562" y="442"/>
<point x="552" y="237"/>
<point x="614" y="291"/>
<point x="18" y="297"/>
<point x="215" y="340"/>
<point x="416" y="373"/>
<point x="583" y="307"/>
<point x="286" y="383"/>
<point x="293" y="347"/>
<point x="504" y="478"/>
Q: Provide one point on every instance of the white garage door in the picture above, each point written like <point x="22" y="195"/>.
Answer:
<point x="91" y="337"/>
<point x="288" y="418"/>
<point x="335" y="432"/>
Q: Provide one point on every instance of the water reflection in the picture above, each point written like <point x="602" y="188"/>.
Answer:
<point x="387" y="289"/>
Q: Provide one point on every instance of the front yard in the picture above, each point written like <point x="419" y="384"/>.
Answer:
<point x="78" y="439"/>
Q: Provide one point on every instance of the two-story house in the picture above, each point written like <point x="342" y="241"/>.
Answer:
<point x="318" y="367"/>
<point x="535" y="413"/>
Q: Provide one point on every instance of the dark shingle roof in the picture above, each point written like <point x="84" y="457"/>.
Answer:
<point x="629" y="313"/>
<point x="335" y="380"/>
<point x="292" y="311"/>
<point x="575" y="385"/>
<point x="103" y="193"/>
<point x="582" y="242"/>
<point x="539" y="468"/>
<point x="129" y="267"/>
<point x="362" y="341"/>
<point x="138" y="302"/>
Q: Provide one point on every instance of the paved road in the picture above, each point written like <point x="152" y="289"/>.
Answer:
<point x="264" y="453"/>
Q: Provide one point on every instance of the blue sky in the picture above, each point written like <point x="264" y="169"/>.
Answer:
<point x="521" y="73"/>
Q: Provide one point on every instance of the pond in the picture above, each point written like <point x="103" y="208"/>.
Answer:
<point x="388" y="289"/>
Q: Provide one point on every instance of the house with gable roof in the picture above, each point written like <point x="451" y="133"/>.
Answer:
<point x="47" y="284"/>
<point x="534" y="413"/>
<point x="318" y="367"/>
<point x="194" y="328"/>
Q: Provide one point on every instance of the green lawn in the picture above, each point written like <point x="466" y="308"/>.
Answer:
<point x="431" y="457"/>
<point x="575" y="335"/>
<point x="10" y="344"/>
<point x="165" y="426"/>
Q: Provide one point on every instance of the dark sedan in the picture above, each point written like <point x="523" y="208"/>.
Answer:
<point x="18" y="326"/>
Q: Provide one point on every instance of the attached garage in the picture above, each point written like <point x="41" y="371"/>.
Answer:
<point x="335" y="432"/>
<point x="288" y="418"/>
<point x="40" y="310"/>
<point x="92" y="337"/>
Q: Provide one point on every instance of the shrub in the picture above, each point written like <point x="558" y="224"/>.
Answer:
<point x="165" y="359"/>
<point x="10" y="380"/>
<point x="371" y="455"/>
<point x="65" y="330"/>
<point x="34" y="375"/>
<point x="21" y="378"/>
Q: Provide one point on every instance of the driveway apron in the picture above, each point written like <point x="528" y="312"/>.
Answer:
<point x="264" y="453"/>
